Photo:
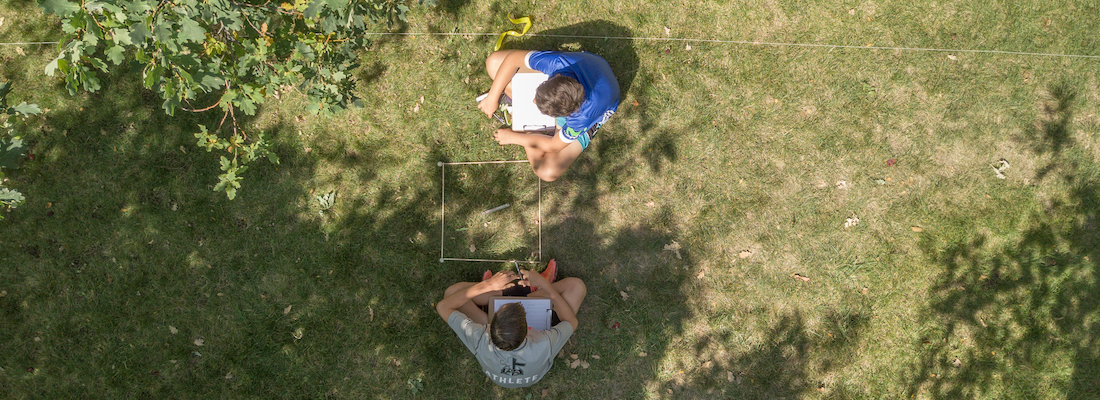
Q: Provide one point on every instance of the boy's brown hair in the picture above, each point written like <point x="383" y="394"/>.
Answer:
<point x="509" y="326"/>
<point x="559" y="96"/>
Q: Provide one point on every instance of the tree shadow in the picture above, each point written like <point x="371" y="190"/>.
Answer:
<point x="1020" y="313"/>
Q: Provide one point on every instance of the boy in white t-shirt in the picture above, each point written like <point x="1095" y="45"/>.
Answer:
<point x="510" y="354"/>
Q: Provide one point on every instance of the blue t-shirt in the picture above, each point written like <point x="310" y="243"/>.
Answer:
<point x="601" y="89"/>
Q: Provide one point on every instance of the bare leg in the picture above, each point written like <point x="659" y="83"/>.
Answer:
<point x="492" y="64"/>
<point x="571" y="289"/>
<point x="549" y="166"/>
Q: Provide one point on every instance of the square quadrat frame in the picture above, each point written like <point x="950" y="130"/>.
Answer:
<point x="443" y="212"/>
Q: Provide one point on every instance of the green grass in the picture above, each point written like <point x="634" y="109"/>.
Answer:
<point x="122" y="256"/>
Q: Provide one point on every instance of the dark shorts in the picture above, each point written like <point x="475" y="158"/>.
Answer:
<point x="522" y="291"/>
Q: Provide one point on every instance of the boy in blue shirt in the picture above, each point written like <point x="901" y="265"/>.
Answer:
<point x="582" y="94"/>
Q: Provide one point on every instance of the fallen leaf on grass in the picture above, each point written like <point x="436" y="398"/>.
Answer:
<point x="999" y="168"/>
<point x="228" y="375"/>
<point x="297" y="334"/>
<point x="575" y="364"/>
<point x="635" y="103"/>
<point x="584" y="364"/>
<point x="287" y="309"/>
<point x="573" y="356"/>
<point x="668" y="31"/>
<point x="891" y="162"/>
<point x="650" y="204"/>
<point x="842" y="185"/>
<point x="729" y="376"/>
<point x="595" y="356"/>
<point x="800" y="277"/>
<point x="173" y="329"/>
<point x="199" y="342"/>
<point x="957" y="363"/>
<point x="916" y="229"/>
<point x="615" y="326"/>
<point x="745" y="254"/>
<point x="865" y="290"/>
<point x="687" y="47"/>
<point x="625" y="296"/>
<point x="545" y="392"/>
<point x="642" y="354"/>
<point x="952" y="58"/>
<point x="473" y="248"/>
<point x="851" y="221"/>
<point x="701" y="274"/>
<point x="674" y="247"/>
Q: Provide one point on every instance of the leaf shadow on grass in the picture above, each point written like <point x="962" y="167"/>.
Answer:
<point x="451" y="7"/>
<point x="1022" y="316"/>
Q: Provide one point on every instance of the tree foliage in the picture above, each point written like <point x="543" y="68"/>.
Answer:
<point x="12" y="148"/>
<point x="227" y="55"/>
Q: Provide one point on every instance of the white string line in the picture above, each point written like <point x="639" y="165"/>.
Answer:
<point x="25" y="43"/>
<point x="540" y="219"/>
<point x="482" y="162"/>
<point x="487" y="260"/>
<point x="750" y="42"/>
<point x="442" y="206"/>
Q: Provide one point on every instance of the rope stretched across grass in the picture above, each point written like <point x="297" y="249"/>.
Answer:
<point x="720" y="41"/>
<point x="751" y="42"/>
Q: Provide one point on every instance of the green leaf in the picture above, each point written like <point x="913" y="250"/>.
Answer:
<point x="27" y="109"/>
<point x="152" y="77"/>
<point x="99" y="64"/>
<point x="185" y="76"/>
<point x="138" y="33"/>
<point x="51" y="68"/>
<point x="10" y="197"/>
<point x="10" y="152"/>
<point x="190" y="31"/>
<point x="121" y="36"/>
<point x="59" y="7"/>
<point x="163" y="35"/>
<point x="247" y="106"/>
<point x="211" y="81"/>
<point x="116" y="54"/>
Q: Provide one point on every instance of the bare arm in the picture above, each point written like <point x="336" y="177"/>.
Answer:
<point x="450" y="304"/>
<point x="565" y="312"/>
<point x="551" y="144"/>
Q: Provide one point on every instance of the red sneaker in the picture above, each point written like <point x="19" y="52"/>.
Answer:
<point x="551" y="271"/>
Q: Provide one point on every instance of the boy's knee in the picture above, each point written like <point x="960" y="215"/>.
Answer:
<point x="492" y="63"/>
<point x="576" y="285"/>
<point x="548" y="175"/>
<point x="453" y="289"/>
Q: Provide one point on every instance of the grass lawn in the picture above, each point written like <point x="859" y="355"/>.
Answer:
<point x="810" y="265"/>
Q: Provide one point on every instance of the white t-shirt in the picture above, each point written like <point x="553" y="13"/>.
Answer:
<point x="518" y="368"/>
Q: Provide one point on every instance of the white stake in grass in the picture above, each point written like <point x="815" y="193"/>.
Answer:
<point x="495" y="209"/>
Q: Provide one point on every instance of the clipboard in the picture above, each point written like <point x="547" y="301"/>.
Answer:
<point x="525" y="114"/>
